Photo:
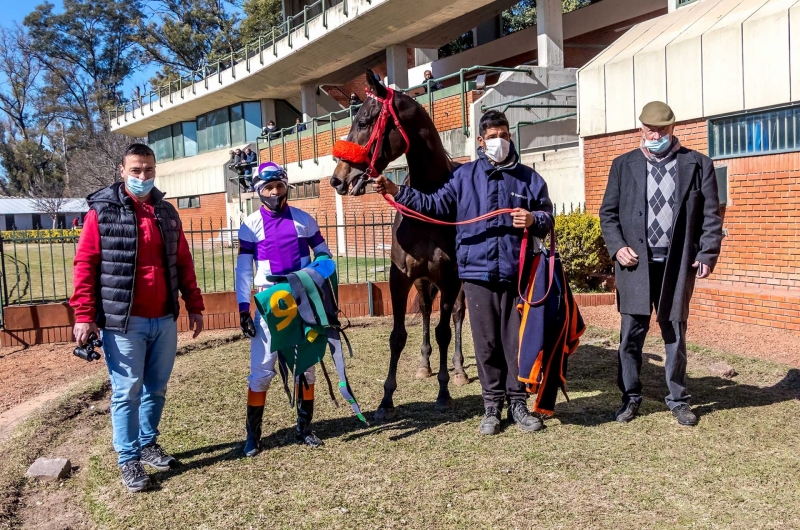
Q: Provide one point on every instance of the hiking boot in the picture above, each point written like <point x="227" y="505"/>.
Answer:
<point x="304" y="435"/>
<point x="134" y="477"/>
<point x="490" y="424"/>
<point x="627" y="412"/>
<point x="154" y="456"/>
<point x="255" y="415"/>
<point x="518" y="413"/>
<point x="684" y="415"/>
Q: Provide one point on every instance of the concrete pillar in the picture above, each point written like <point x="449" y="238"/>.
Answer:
<point x="397" y="66"/>
<point x="308" y="98"/>
<point x="550" y="32"/>
<point x="673" y="5"/>
<point x="425" y="55"/>
<point x="268" y="112"/>
<point x="487" y="31"/>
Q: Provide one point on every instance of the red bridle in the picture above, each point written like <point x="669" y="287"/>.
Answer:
<point x="359" y="154"/>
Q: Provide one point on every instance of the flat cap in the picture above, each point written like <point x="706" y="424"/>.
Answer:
<point x="657" y="114"/>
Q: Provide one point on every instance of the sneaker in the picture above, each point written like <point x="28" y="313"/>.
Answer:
<point x="627" y="412"/>
<point x="308" y="438"/>
<point x="684" y="415"/>
<point x="154" y="456"/>
<point x="134" y="477"/>
<point x="518" y="413"/>
<point x="490" y="424"/>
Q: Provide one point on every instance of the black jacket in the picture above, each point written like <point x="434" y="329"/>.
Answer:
<point x="696" y="231"/>
<point x="118" y="227"/>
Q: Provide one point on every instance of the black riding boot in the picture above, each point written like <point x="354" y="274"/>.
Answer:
<point x="305" y="413"/>
<point x="255" y="415"/>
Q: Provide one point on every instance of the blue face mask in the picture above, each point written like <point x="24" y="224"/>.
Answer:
<point x="660" y="145"/>
<point x="139" y="188"/>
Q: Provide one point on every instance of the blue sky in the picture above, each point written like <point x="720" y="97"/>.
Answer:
<point x="14" y="11"/>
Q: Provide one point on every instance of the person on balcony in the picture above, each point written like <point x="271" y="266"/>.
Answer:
<point x="270" y="131"/>
<point x="435" y="85"/>
<point x="299" y="126"/>
<point x="248" y="163"/>
<point x="278" y="239"/>
<point x="131" y="263"/>
<point x="488" y="257"/>
<point x="661" y="223"/>
<point x="354" y="99"/>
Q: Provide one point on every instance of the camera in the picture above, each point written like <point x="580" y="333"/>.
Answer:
<point x="86" y="352"/>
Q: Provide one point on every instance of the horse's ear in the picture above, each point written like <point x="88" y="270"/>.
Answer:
<point x="374" y="84"/>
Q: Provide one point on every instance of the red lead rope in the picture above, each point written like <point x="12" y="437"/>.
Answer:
<point x="355" y="153"/>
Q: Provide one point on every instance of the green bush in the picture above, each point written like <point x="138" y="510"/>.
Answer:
<point x="582" y="248"/>
<point x="55" y="235"/>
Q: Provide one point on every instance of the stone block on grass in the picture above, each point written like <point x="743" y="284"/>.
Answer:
<point x="49" y="469"/>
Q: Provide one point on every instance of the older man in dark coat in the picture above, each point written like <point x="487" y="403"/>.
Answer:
<point x="661" y="223"/>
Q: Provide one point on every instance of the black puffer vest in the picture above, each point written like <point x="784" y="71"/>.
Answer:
<point x="118" y="226"/>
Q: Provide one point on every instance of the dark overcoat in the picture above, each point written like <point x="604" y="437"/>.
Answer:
<point x="696" y="234"/>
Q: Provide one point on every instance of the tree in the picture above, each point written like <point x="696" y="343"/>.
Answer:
<point x="88" y="51"/>
<point x="26" y="162"/>
<point x="523" y="14"/>
<point x="96" y="165"/>
<point x="48" y="197"/>
<point x="20" y="76"/>
<point x="182" y="36"/>
<point x="260" y="17"/>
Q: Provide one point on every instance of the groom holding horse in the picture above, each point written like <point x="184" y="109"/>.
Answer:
<point x="488" y="257"/>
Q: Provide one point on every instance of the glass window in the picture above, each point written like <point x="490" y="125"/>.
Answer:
<point x="160" y="141"/>
<point x="218" y="132"/>
<point x="202" y="134"/>
<point x="304" y="190"/>
<point x="752" y="134"/>
<point x="188" y="202"/>
<point x="189" y="138"/>
<point x="252" y="120"/>
<point x="177" y="140"/>
<point x="237" y="125"/>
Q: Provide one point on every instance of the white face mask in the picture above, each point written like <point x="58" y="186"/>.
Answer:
<point x="497" y="149"/>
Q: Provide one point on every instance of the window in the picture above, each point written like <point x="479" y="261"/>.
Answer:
<point x="252" y="120"/>
<point x="237" y="125"/>
<point x="773" y="131"/>
<point x="177" y="140"/>
<point x="160" y="141"/>
<point x="218" y="133"/>
<point x="304" y="190"/>
<point x="202" y="134"/>
<point x="682" y="3"/>
<point x="189" y="138"/>
<point x="188" y="202"/>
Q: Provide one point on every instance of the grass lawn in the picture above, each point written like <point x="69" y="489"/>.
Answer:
<point x="739" y="468"/>
<point x="43" y="273"/>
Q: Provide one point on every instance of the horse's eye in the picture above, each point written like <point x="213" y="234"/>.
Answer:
<point x="362" y="125"/>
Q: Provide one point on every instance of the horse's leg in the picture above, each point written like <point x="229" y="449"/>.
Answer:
<point x="425" y="303"/>
<point x="449" y="292"/>
<point x="399" y="286"/>
<point x="460" y="377"/>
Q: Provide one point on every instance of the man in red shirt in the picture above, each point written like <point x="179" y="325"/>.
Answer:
<point x="131" y="263"/>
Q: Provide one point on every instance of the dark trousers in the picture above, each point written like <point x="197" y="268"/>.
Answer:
<point x="495" y="321"/>
<point x="634" y="331"/>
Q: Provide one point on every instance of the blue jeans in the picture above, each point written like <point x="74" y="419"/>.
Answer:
<point x="139" y="363"/>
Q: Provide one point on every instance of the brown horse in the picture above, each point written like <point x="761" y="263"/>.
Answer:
<point x="423" y="254"/>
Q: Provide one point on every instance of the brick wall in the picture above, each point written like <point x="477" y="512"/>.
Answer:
<point x="757" y="279"/>
<point x="212" y="208"/>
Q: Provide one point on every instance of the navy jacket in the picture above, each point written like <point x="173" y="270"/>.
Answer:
<point x="488" y="250"/>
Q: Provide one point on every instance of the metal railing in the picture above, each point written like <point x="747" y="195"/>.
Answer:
<point x="251" y="51"/>
<point x="38" y="270"/>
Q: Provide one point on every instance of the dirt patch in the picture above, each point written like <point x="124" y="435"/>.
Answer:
<point x="747" y="340"/>
<point x="36" y="370"/>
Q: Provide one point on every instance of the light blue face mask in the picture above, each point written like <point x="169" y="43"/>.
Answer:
<point x="660" y="145"/>
<point x="137" y="187"/>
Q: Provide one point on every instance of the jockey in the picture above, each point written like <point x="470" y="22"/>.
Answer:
<point x="279" y="239"/>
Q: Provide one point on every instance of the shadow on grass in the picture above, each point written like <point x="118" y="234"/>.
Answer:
<point x="412" y="418"/>
<point x="594" y="369"/>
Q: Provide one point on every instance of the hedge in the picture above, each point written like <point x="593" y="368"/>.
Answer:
<point x="582" y="248"/>
<point x="55" y="235"/>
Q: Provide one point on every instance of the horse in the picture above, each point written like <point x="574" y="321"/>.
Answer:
<point x="422" y="255"/>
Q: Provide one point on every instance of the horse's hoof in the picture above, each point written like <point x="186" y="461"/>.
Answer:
<point x="423" y="373"/>
<point x="460" y="379"/>
<point x="383" y="414"/>
<point x="443" y="405"/>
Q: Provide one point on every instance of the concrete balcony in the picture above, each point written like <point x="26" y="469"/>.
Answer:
<point x="316" y="52"/>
